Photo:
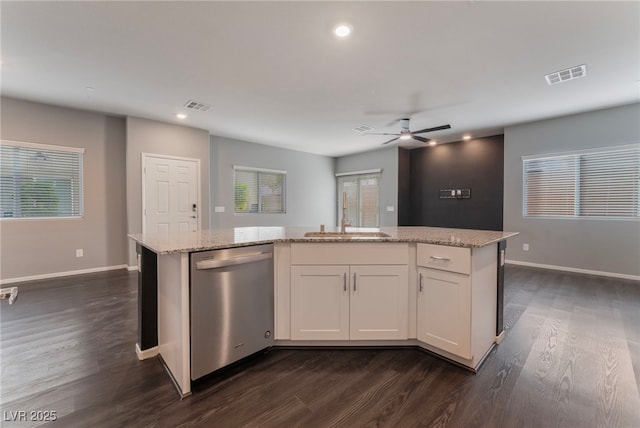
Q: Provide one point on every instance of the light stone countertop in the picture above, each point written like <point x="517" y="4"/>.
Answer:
<point x="186" y="242"/>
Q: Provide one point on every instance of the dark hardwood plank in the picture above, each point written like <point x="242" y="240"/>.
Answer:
<point x="570" y="359"/>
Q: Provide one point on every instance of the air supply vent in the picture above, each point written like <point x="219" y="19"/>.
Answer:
<point x="363" y="128"/>
<point x="566" y="75"/>
<point x="195" y="105"/>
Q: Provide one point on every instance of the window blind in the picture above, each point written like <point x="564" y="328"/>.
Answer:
<point x="601" y="183"/>
<point x="363" y="192"/>
<point x="259" y="191"/>
<point x="39" y="181"/>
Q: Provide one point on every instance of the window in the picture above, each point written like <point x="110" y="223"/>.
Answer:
<point x="259" y="190"/>
<point x="363" y="195"/>
<point x="40" y="181"/>
<point x="588" y="184"/>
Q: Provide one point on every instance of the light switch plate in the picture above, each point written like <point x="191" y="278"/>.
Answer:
<point x="219" y="209"/>
<point x="391" y="208"/>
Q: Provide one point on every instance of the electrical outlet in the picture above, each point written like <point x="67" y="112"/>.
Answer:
<point x="79" y="252"/>
<point x="525" y="247"/>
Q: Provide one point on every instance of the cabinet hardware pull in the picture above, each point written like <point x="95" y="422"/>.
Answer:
<point x="421" y="283"/>
<point x="344" y="281"/>
<point x="354" y="282"/>
<point x="442" y="259"/>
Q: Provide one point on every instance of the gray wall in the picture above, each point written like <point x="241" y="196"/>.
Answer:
<point x="600" y="245"/>
<point x="387" y="160"/>
<point x="41" y="247"/>
<point x="148" y="136"/>
<point x="311" y="187"/>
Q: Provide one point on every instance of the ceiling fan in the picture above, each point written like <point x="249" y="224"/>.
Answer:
<point x="406" y="134"/>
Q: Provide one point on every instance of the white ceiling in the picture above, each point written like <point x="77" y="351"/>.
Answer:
<point x="275" y="74"/>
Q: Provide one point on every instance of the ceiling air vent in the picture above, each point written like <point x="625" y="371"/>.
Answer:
<point x="195" y="105"/>
<point x="567" y="74"/>
<point x="363" y="128"/>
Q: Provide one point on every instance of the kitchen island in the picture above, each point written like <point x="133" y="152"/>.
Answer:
<point x="436" y="288"/>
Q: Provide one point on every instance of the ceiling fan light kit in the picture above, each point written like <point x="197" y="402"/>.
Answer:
<point x="407" y="134"/>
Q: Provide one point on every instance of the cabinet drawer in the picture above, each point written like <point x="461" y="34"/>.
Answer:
<point x="452" y="259"/>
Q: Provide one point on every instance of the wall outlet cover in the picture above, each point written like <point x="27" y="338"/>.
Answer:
<point x="391" y="208"/>
<point x="79" y="252"/>
<point x="219" y="209"/>
<point x="525" y="247"/>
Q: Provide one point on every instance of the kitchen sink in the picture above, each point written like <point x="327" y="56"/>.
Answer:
<point x="346" y="235"/>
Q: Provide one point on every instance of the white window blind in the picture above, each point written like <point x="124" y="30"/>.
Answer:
<point x="40" y="181"/>
<point x="601" y="183"/>
<point x="259" y="190"/>
<point x="363" y="194"/>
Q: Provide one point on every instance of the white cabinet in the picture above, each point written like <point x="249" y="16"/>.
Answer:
<point x="319" y="302"/>
<point x="344" y="301"/>
<point x="457" y="300"/>
<point x="444" y="311"/>
<point x="379" y="302"/>
<point x="349" y="302"/>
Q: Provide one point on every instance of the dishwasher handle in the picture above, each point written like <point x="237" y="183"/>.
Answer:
<point x="218" y="263"/>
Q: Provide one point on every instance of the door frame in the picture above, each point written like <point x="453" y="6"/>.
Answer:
<point x="143" y="171"/>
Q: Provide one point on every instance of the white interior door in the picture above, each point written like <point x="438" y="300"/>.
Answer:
<point x="170" y="194"/>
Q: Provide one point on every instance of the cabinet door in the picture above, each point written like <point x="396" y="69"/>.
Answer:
<point x="379" y="302"/>
<point x="444" y="311"/>
<point x="319" y="302"/>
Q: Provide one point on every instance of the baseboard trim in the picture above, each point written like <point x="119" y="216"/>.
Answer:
<point x="132" y="268"/>
<point x="575" y="270"/>
<point x="60" y="274"/>
<point x="147" y="353"/>
<point x="173" y="379"/>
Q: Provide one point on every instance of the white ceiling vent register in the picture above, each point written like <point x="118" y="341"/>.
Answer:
<point x="567" y="74"/>
<point x="195" y="105"/>
<point x="363" y="128"/>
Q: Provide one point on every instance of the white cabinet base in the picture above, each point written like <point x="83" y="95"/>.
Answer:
<point x="300" y="324"/>
<point x="472" y="365"/>
<point x="457" y="311"/>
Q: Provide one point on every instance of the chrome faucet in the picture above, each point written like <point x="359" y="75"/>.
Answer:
<point x="344" y="223"/>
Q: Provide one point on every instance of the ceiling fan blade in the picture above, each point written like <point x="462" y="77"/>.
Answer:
<point x="424" y="140"/>
<point x="437" y="128"/>
<point x="376" y="133"/>
<point x="390" y="141"/>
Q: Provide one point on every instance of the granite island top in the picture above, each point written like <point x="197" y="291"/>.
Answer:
<point x="186" y="242"/>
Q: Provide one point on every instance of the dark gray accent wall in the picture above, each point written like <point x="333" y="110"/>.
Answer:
<point x="611" y="246"/>
<point x="40" y="247"/>
<point x="404" y="186"/>
<point x="475" y="164"/>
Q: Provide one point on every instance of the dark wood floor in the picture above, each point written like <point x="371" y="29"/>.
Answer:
<point x="571" y="358"/>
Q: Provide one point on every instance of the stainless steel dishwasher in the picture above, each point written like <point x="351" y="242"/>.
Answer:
<point x="231" y="306"/>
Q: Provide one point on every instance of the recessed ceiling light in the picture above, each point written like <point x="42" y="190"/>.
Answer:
<point x="181" y="116"/>
<point x="342" y="30"/>
<point x="433" y="142"/>
<point x="466" y="137"/>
